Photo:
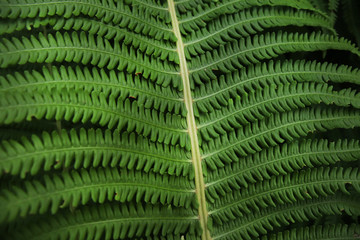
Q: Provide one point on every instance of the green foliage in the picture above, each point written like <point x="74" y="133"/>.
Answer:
<point x="95" y="124"/>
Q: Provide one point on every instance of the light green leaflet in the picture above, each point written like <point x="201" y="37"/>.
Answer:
<point x="189" y="119"/>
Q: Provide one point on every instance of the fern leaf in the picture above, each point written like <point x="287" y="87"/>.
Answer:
<point x="179" y="119"/>
<point x="152" y="47"/>
<point x="151" y="96"/>
<point x="277" y="129"/>
<point x="261" y="47"/>
<point x="91" y="148"/>
<point x="280" y="160"/>
<point x="113" y="221"/>
<point x="261" y="75"/>
<point x="260" y="223"/>
<point x="74" y="188"/>
<point x="233" y="27"/>
<point x="207" y="11"/>
<point x="115" y="12"/>
<point x="307" y="184"/>
<point x="274" y="99"/>
<point x="80" y="48"/>
<point x="96" y="108"/>
<point x="318" y="232"/>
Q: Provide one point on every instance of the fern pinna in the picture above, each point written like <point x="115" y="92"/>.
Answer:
<point x="179" y="119"/>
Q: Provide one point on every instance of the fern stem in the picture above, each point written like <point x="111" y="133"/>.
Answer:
<point x="192" y="129"/>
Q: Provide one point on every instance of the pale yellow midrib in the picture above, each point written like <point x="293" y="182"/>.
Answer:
<point x="195" y="151"/>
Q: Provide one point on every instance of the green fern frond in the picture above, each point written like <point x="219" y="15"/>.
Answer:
<point x="85" y="49"/>
<point x="307" y="184"/>
<point x="206" y="11"/>
<point x="77" y="106"/>
<point x="273" y="131"/>
<point x="279" y="160"/>
<point x="280" y="98"/>
<point x="179" y="119"/>
<point x="116" y="12"/>
<point x="252" y="50"/>
<point x="74" y="188"/>
<point x="257" y="19"/>
<point x="250" y="227"/>
<point x="91" y="148"/>
<point x="318" y="232"/>
<point x="157" y="48"/>
<point x="113" y="221"/>
<point x="261" y="75"/>
<point x="151" y="96"/>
